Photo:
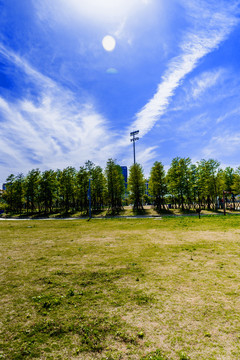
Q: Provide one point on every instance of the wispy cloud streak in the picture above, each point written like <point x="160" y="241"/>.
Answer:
<point x="198" y="43"/>
<point x="18" y="61"/>
<point x="206" y="81"/>
<point x="54" y="131"/>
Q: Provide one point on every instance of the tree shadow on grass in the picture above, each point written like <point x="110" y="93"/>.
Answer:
<point x="139" y="212"/>
<point x="164" y="211"/>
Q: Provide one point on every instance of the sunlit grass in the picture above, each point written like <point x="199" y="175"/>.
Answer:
<point x="126" y="211"/>
<point x="120" y="289"/>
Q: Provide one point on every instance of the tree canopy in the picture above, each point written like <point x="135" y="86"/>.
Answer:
<point x="184" y="185"/>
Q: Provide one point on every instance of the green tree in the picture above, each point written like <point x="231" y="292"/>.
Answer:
<point x="178" y="180"/>
<point x="136" y="186"/>
<point x="48" y="190"/>
<point x="193" y="181"/>
<point x="19" y="193"/>
<point x="236" y="181"/>
<point x="199" y="184"/>
<point x="89" y="165"/>
<point x="68" y="187"/>
<point x="229" y="178"/>
<point x="14" y="194"/>
<point x="115" y="186"/>
<point x="157" y="184"/>
<point x="209" y="182"/>
<point x="82" y="184"/>
<point x="98" y="185"/>
<point x="9" y="193"/>
<point x="229" y="183"/>
<point x="209" y="170"/>
<point x="32" y="188"/>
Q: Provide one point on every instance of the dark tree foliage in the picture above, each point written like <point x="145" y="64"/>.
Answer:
<point x="67" y="182"/>
<point x="186" y="185"/>
<point x="136" y="186"/>
<point x="98" y="184"/>
<point x="47" y="190"/>
<point x="115" y="186"/>
<point x="178" y="177"/>
<point x="9" y="195"/>
<point x="82" y="184"/>
<point x="157" y="184"/>
<point x="32" y="182"/>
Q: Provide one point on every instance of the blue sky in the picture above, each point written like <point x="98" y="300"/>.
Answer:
<point x="174" y="75"/>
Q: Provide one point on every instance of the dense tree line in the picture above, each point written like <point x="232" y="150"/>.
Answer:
<point x="66" y="190"/>
<point x="187" y="185"/>
<point x="184" y="185"/>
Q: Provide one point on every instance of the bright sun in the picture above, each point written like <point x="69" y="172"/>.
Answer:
<point x="109" y="43"/>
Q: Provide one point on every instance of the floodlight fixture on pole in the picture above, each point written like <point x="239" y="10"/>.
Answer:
<point x="133" y="139"/>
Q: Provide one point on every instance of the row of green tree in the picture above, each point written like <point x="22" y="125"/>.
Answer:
<point x="185" y="185"/>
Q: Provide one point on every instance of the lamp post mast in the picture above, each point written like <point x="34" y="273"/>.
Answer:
<point x="133" y="139"/>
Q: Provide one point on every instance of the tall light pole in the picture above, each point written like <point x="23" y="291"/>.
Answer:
<point x="133" y="139"/>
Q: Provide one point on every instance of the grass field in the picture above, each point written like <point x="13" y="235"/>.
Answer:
<point x="126" y="211"/>
<point x="120" y="289"/>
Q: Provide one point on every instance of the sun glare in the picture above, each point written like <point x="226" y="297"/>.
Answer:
<point x="104" y="10"/>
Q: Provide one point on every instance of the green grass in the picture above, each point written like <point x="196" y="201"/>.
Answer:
<point x="120" y="289"/>
<point x="127" y="211"/>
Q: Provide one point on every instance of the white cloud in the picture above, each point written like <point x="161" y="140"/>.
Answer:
<point x="205" y="81"/>
<point x="107" y="13"/>
<point x="228" y="115"/>
<point x="204" y="38"/>
<point x="196" y="126"/>
<point x="147" y="154"/>
<point x="14" y="58"/>
<point x="225" y="145"/>
<point x="56" y="131"/>
<point x="59" y="130"/>
<point x="144" y="156"/>
<point x="54" y="134"/>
